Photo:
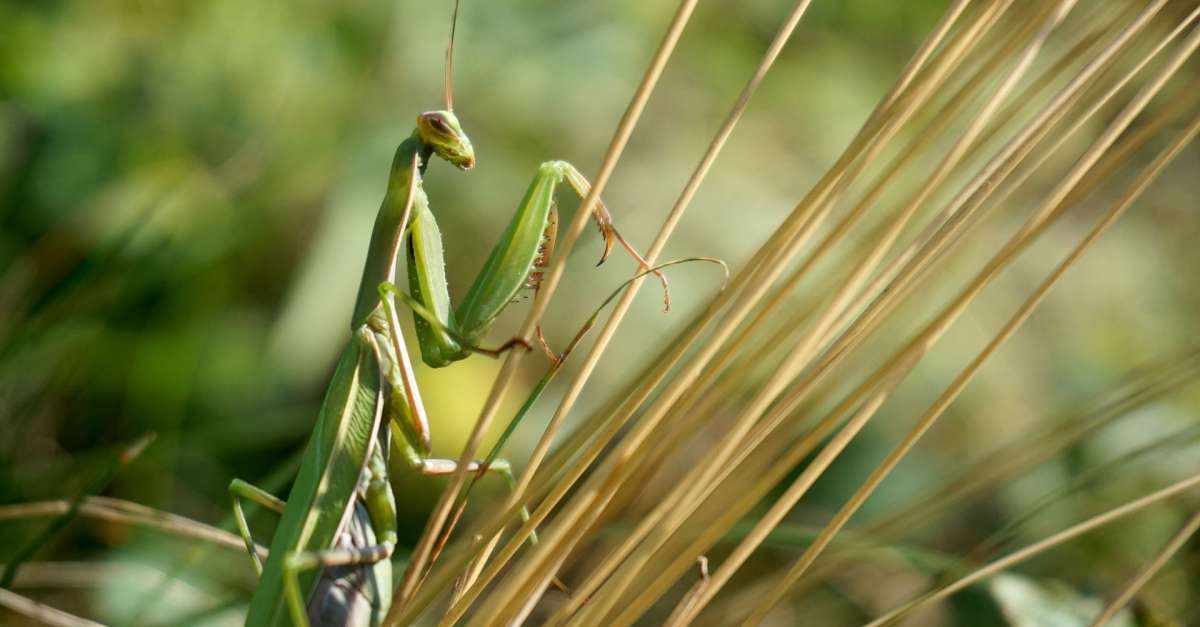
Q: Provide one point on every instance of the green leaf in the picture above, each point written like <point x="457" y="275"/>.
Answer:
<point x="1029" y="603"/>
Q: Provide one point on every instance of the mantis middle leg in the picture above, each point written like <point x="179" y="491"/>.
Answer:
<point x="411" y="441"/>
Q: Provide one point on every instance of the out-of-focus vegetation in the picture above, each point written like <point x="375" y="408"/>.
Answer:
<point x="187" y="189"/>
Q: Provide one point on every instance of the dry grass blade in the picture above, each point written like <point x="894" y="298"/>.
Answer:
<point x="674" y="216"/>
<point x="784" y="244"/>
<point x="734" y="446"/>
<point x="1004" y="464"/>
<point x="927" y="420"/>
<point x="651" y="558"/>
<point x="1131" y="589"/>
<point x="817" y="467"/>
<point x="958" y="336"/>
<point x="40" y="612"/>
<point x="1037" y="548"/>
<point x="127" y="513"/>
<point x="1008" y="462"/>
<point x="95" y="484"/>
<point x="1031" y="227"/>
<point x="414" y="573"/>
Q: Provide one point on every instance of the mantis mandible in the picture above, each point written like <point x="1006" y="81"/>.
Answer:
<point x="329" y="561"/>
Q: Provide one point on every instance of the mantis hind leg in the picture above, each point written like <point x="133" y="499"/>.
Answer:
<point x="239" y="490"/>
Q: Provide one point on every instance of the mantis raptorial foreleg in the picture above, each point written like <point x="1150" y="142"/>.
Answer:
<point x="513" y="260"/>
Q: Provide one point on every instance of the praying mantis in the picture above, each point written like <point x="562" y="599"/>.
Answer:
<point x="329" y="561"/>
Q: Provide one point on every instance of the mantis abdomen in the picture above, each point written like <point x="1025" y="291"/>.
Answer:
<point x="355" y="594"/>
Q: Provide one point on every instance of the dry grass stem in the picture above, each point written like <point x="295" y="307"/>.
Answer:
<point x="40" y="612"/>
<point x="417" y="564"/>
<point x="1131" y="589"/>
<point x="994" y="124"/>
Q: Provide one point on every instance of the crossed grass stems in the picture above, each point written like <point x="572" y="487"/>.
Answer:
<point x="767" y="385"/>
<point x="980" y="57"/>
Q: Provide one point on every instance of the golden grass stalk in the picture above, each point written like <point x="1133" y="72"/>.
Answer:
<point x="782" y="372"/>
<point x="1030" y="551"/>
<point x="1170" y="549"/>
<point x="128" y="513"/>
<point x="416" y="567"/>
<point x="41" y="612"/>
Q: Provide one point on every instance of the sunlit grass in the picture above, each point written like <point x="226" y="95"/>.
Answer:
<point x="755" y="431"/>
<point x="840" y="435"/>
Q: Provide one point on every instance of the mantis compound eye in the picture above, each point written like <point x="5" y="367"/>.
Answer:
<point x="439" y="122"/>
<point x="441" y="132"/>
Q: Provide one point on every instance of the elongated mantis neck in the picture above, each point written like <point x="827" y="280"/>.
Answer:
<point x="386" y="240"/>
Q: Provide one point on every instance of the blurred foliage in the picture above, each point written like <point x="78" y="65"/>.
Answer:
<point x="186" y="191"/>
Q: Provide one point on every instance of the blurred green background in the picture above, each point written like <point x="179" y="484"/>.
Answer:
<point x="187" y="189"/>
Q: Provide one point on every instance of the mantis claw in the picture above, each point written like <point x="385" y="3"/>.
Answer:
<point x="507" y="346"/>
<point x="609" y="240"/>
<point x="515" y="342"/>
<point x="608" y="230"/>
<point x="642" y="263"/>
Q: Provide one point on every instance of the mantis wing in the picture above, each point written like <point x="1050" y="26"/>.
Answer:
<point x="327" y="483"/>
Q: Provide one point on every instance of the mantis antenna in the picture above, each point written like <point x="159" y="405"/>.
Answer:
<point x="448" y="81"/>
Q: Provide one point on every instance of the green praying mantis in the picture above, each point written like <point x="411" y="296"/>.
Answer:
<point x="329" y="561"/>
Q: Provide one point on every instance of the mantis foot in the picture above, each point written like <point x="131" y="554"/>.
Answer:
<point x="495" y="353"/>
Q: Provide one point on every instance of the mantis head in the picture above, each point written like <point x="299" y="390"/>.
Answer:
<point x="441" y="132"/>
